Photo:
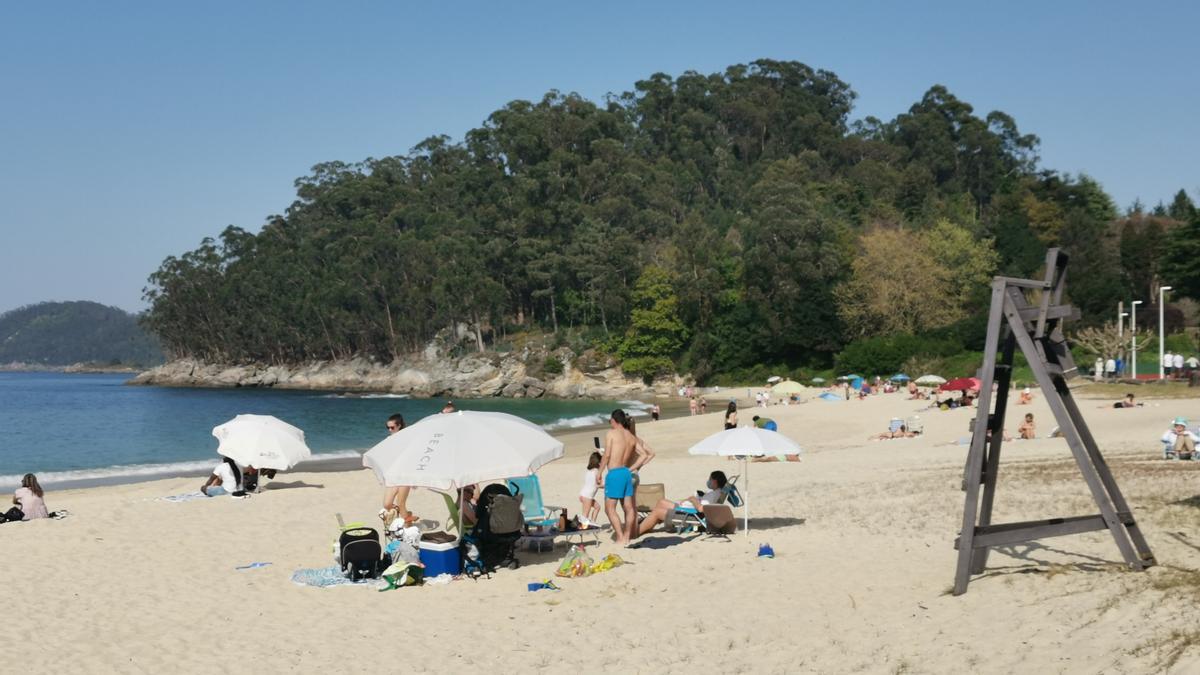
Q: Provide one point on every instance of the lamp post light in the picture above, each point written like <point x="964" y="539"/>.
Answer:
<point x="1133" y="330"/>
<point x="1162" y="337"/>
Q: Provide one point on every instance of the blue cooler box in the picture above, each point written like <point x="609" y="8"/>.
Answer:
<point x="440" y="558"/>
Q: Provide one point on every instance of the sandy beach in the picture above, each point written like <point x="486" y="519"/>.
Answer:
<point x="863" y="533"/>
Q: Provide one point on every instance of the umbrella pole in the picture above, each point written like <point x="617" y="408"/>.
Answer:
<point x="746" y="497"/>
<point x="461" y="506"/>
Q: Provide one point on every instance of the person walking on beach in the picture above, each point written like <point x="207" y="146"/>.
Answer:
<point x="731" y="416"/>
<point x="655" y="412"/>
<point x="619" y="444"/>
<point x="692" y="407"/>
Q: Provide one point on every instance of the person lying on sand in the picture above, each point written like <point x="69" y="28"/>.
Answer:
<point x="1026" y="397"/>
<point x="901" y="432"/>
<point x="1127" y="402"/>
<point x="665" y="507"/>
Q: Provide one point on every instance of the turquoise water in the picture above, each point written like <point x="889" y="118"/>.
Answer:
<point x="81" y="427"/>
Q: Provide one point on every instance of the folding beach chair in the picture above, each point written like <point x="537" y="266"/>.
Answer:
<point x="528" y="490"/>
<point x="648" y="495"/>
<point x="719" y="521"/>
<point x="685" y="518"/>
<point x="915" y="425"/>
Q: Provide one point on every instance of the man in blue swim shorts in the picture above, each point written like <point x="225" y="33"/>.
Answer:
<point x="618" y="482"/>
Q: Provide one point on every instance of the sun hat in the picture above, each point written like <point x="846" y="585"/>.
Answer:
<point x="1180" y="422"/>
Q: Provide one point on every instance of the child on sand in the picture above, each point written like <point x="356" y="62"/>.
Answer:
<point x="589" y="508"/>
<point x="1027" y="430"/>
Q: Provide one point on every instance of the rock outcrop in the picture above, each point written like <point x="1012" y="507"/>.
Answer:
<point x="429" y="373"/>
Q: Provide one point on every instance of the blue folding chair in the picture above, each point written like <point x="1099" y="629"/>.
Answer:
<point x="528" y="490"/>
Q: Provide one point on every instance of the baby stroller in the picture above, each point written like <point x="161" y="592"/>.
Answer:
<point x="498" y="527"/>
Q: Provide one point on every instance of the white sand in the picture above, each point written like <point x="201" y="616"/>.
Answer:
<point x="863" y="533"/>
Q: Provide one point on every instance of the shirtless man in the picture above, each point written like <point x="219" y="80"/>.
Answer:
<point x="620" y="446"/>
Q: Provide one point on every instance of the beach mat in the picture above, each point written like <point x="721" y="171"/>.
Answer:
<point x="185" y="497"/>
<point x="325" y="577"/>
<point x="830" y="396"/>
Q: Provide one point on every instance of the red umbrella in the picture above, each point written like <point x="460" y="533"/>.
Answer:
<point x="961" y="384"/>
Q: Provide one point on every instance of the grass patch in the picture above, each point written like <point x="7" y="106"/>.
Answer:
<point x="1150" y="390"/>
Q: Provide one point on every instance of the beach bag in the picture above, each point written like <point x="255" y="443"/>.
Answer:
<point x="359" y="553"/>
<point x="577" y="563"/>
<point x="12" y="515"/>
<point x="607" y="563"/>
<point x="403" y="574"/>
<point x="504" y="515"/>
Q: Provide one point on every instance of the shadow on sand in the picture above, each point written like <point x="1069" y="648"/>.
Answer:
<point x="292" y="485"/>
<point x="772" y="523"/>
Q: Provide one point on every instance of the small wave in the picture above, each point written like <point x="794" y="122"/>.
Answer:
<point x="167" y="470"/>
<point x="636" y="405"/>
<point x="576" y="422"/>
<point x="353" y="395"/>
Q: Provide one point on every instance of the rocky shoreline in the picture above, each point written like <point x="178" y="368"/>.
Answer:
<point x="481" y="375"/>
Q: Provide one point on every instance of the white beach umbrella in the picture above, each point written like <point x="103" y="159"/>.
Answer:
<point x="448" y="452"/>
<point x="261" y="441"/>
<point x="746" y="442"/>
<point x="931" y="380"/>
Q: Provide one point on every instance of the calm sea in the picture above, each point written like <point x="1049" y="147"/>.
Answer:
<point x="88" y="427"/>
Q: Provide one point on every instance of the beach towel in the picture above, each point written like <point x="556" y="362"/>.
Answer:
<point x="830" y="396"/>
<point x="324" y="577"/>
<point x="185" y="497"/>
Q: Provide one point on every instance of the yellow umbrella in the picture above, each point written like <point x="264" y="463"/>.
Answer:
<point x="788" y="387"/>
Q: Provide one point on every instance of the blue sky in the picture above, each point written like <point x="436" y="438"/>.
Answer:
<point x="129" y="131"/>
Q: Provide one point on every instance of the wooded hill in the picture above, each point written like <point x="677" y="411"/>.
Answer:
<point x="66" y="333"/>
<point x="703" y="223"/>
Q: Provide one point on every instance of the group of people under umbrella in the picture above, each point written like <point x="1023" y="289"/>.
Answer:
<point x="447" y="453"/>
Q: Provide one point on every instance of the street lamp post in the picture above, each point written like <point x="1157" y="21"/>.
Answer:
<point x="1133" y="330"/>
<point x="1162" y="337"/>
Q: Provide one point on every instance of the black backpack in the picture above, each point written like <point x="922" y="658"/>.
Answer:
<point x="360" y="554"/>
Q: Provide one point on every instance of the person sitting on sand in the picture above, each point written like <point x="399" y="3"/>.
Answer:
<point x="449" y="408"/>
<point x="1179" y="441"/>
<point x="28" y="501"/>
<point x="466" y="505"/>
<point x="1027" y="431"/>
<point x="1026" y="397"/>
<point x="665" y="507"/>
<point x="226" y="478"/>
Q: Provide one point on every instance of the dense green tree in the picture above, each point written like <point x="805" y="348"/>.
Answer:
<point x="738" y="199"/>
<point x="655" y="334"/>
<point x="1181" y="260"/>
